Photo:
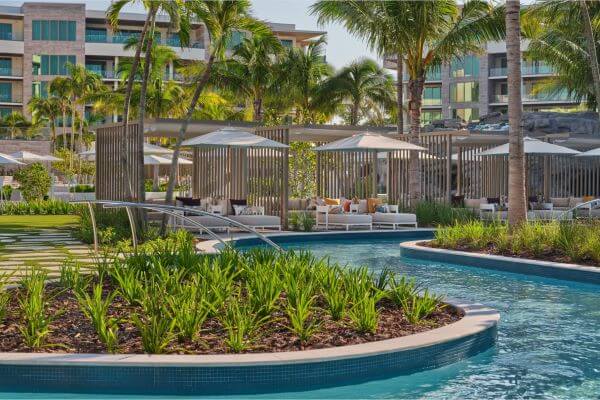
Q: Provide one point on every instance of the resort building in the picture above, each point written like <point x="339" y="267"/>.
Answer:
<point x="476" y="85"/>
<point x="38" y="39"/>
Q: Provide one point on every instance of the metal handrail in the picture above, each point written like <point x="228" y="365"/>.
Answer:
<point x="592" y="203"/>
<point x="173" y="211"/>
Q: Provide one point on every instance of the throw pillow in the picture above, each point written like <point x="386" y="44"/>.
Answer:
<point x="458" y="201"/>
<point x="381" y="208"/>
<point x="239" y="209"/>
<point x="493" y="200"/>
<point x="188" y="201"/>
<point x="335" y="210"/>
<point x="372" y="203"/>
<point x="347" y="204"/>
<point x="331" y="202"/>
<point x="588" y="198"/>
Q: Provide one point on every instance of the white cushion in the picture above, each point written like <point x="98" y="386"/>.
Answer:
<point x="393" y="218"/>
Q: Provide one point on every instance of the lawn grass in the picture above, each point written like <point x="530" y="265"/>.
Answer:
<point x="27" y="223"/>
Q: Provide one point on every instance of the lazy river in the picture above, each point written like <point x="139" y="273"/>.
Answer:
<point x="548" y="337"/>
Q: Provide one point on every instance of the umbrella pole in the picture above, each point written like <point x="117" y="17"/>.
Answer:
<point x="155" y="183"/>
<point x="546" y="178"/>
<point x="374" y="178"/>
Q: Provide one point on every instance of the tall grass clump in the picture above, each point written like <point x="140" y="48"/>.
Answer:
<point x="577" y="241"/>
<point x="95" y="307"/>
<point x="33" y="304"/>
<point x="39" y="207"/>
<point x="430" y="213"/>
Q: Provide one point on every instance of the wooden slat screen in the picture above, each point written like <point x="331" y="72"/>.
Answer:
<point x="111" y="181"/>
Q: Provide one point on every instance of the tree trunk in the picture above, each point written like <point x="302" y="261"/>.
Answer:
<point x="354" y="114"/>
<point x="64" y="127"/>
<point x="126" y="177"/>
<point x="591" y="48"/>
<point x="72" y="144"/>
<point x="399" y="90"/>
<point x="53" y="133"/>
<point x="517" y="205"/>
<point x="139" y="151"/>
<point x="257" y="110"/>
<point x="184" y="125"/>
<point x="415" y="93"/>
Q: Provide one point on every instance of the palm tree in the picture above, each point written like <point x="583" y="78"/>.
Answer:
<point x="221" y="18"/>
<point x="359" y="85"/>
<point x="427" y="33"/>
<point x="174" y="9"/>
<point x="300" y="73"/>
<point x="82" y="84"/>
<point x="378" y="24"/>
<point x="251" y="71"/>
<point x="15" y="122"/>
<point x="588" y="32"/>
<point x="517" y="212"/>
<point x="46" y="109"/>
<point x="59" y="88"/>
<point x="559" y="35"/>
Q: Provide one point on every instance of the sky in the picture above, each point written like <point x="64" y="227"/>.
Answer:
<point x="342" y="48"/>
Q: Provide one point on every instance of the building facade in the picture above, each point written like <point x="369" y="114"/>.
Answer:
<point x="477" y="85"/>
<point x="38" y="40"/>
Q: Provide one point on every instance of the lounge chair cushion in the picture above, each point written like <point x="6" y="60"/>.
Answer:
<point x="208" y="221"/>
<point x="393" y="218"/>
<point x="473" y="203"/>
<point x="257" y="220"/>
<point x="362" y="206"/>
<point x="588" y="198"/>
<point x="350" y="219"/>
<point x="573" y="201"/>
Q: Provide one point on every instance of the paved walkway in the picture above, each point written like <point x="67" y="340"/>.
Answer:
<point x="45" y="248"/>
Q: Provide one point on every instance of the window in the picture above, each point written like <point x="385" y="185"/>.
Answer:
<point x="464" y="92"/>
<point x="54" y="30"/>
<point x="466" y="66"/>
<point x="432" y="96"/>
<point x="6" y="32"/>
<point x="287" y="43"/>
<point x="434" y="73"/>
<point x="96" y="67"/>
<point x="6" y="66"/>
<point x="5" y="112"/>
<point x="124" y="35"/>
<point x="39" y="89"/>
<point x="466" y="114"/>
<point x="428" y="116"/>
<point x="236" y="38"/>
<point x="95" y="35"/>
<point x="52" y="64"/>
<point x="6" y="92"/>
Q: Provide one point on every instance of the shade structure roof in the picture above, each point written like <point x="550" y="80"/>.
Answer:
<point x="27" y="156"/>
<point x="148" y="149"/>
<point x="5" y="159"/>
<point x="153" y="159"/>
<point x="230" y="137"/>
<point x="531" y="146"/>
<point x="590" y="153"/>
<point x="369" y="141"/>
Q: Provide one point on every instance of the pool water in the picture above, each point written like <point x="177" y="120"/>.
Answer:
<point x="548" y="337"/>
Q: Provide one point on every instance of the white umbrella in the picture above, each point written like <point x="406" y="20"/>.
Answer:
<point x="531" y="146"/>
<point x="590" y="153"/>
<point x="5" y="159"/>
<point x="230" y="137"/>
<point x="369" y="141"/>
<point x="158" y="160"/>
<point x="27" y="156"/>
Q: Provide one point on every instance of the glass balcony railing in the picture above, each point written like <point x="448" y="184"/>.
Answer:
<point x="9" y="72"/>
<point x="535" y="98"/>
<point x="106" y="74"/>
<point x="500" y="98"/>
<point x="525" y="70"/>
<point x="103" y="38"/>
<point x="432" y="102"/>
<point x="11" y="36"/>
<point x="96" y="38"/>
<point x="5" y="98"/>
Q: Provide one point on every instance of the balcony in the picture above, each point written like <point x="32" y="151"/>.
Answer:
<point x="121" y="39"/>
<point x="527" y="70"/>
<point x="536" y="98"/>
<point x="105" y="74"/>
<point x="9" y="72"/>
<point x="14" y="36"/>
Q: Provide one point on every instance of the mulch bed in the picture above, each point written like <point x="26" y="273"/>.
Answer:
<point x="548" y="255"/>
<point x="72" y="332"/>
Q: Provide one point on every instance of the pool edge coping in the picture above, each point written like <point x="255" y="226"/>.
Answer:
<point x="568" y="271"/>
<point x="477" y="318"/>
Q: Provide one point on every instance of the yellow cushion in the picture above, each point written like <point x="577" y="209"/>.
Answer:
<point x="331" y="202"/>
<point x="372" y="203"/>
<point x="588" y="198"/>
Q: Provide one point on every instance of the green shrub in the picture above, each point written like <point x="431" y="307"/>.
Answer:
<point x="39" y="207"/>
<point x="82" y="189"/>
<point x="112" y="226"/>
<point x="34" y="181"/>
<point x="301" y="221"/>
<point x="33" y="307"/>
<point x="418" y="307"/>
<point x="430" y="213"/>
<point x="6" y="192"/>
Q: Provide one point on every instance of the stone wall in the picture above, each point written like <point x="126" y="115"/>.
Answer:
<point x="35" y="146"/>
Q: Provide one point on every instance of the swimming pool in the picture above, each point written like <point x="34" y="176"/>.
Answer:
<point x="548" y="344"/>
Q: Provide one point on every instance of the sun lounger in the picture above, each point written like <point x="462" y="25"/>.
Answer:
<point x="394" y="219"/>
<point x="327" y="219"/>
